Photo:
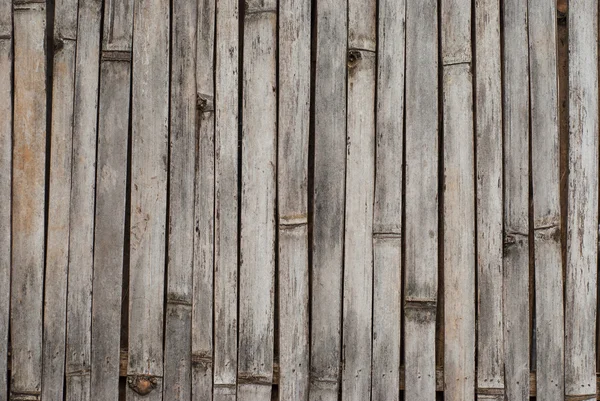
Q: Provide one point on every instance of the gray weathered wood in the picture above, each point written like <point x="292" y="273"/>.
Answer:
<point x="488" y="131"/>
<point x="328" y="197"/>
<point x="226" y="200"/>
<point x="59" y="199"/>
<point x="6" y="68"/>
<point x="421" y="242"/>
<point x="516" y="200"/>
<point x="257" y="236"/>
<point x="150" y="101"/>
<point x="582" y="216"/>
<point x="178" y="335"/>
<point x="109" y="238"/>
<point x="387" y="212"/>
<point x="203" y="276"/>
<point x="545" y="173"/>
<point x="292" y="178"/>
<point x="28" y="198"/>
<point x="81" y="218"/>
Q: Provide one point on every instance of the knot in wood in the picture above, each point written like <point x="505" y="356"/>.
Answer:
<point x="141" y="384"/>
<point x="58" y="44"/>
<point x="201" y="102"/>
<point x="354" y="56"/>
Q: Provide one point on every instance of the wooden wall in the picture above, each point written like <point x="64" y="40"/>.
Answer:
<point x="299" y="200"/>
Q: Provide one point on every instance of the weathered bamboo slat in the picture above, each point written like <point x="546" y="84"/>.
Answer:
<point x="258" y="201"/>
<point x="150" y="101"/>
<point x="582" y="218"/>
<point x="488" y="110"/>
<point x="202" y="295"/>
<point x="516" y="200"/>
<point x="328" y="198"/>
<point x="292" y="180"/>
<point x="387" y="212"/>
<point x="421" y="198"/>
<point x="28" y="198"/>
<point x="459" y="202"/>
<point x="546" y="200"/>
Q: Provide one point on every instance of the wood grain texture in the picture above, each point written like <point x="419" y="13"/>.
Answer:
<point x="545" y="173"/>
<point x="150" y="100"/>
<point x="516" y="201"/>
<point x="582" y="217"/>
<point x="489" y="183"/>
<point x="328" y="198"/>
<point x="292" y="185"/>
<point x="28" y="199"/>
<point x="258" y="202"/>
<point x="421" y="242"/>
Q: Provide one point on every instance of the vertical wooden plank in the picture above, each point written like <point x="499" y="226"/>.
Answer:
<point x="204" y="243"/>
<point x="546" y="201"/>
<point x="257" y="237"/>
<point x="459" y="198"/>
<point x="226" y="200"/>
<point x="178" y="327"/>
<point x="81" y="217"/>
<point x="6" y="64"/>
<point x="582" y="218"/>
<point x="421" y="242"/>
<point x="488" y="106"/>
<point x="150" y="100"/>
<point x="109" y="240"/>
<point x="57" y="242"/>
<point x="387" y="213"/>
<point x="28" y="198"/>
<point x="292" y="178"/>
<point x="516" y="200"/>
<point x="328" y="198"/>
<point x="360" y="176"/>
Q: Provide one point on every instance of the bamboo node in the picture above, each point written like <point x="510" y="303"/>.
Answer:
<point x="142" y="384"/>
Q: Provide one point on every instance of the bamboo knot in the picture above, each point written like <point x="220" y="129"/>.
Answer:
<point x="142" y="384"/>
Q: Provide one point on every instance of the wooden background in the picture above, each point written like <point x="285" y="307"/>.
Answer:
<point x="321" y="200"/>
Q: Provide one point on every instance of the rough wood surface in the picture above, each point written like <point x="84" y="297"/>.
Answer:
<point x="516" y="200"/>
<point x="582" y="219"/>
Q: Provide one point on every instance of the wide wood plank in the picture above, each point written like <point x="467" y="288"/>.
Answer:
<point x="421" y="242"/>
<point x="150" y="101"/>
<point x="516" y="200"/>
<point x="582" y="217"/>
<point x="28" y="198"/>
<point x="488" y="131"/>
<point x="257" y="236"/>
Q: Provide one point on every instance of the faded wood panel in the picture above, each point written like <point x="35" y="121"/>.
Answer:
<point x="516" y="200"/>
<point x="258" y="201"/>
<point x="150" y="100"/>
<point x="292" y="186"/>
<point x="546" y="200"/>
<point x="489" y="183"/>
<point x="582" y="218"/>
<point x="421" y="242"/>
<point x="28" y="198"/>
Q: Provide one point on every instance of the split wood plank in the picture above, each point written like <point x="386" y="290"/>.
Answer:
<point x="488" y="134"/>
<point x="226" y="200"/>
<point x="57" y="242"/>
<point x="421" y="230"/>
<point x="328" y="198"/>
<point x="545" y="159"/>
<point x="459" y="202"/>
<point x="516" y="201"/>
<point x="257" y="236"/>
<point x="150" y="113"/>
<point x="292" y="180"/>
<point x="28" y="198"/>
<point x="6" y="73"/>
<point x="204" y="214"/>
<point x="387" y="212"/>
<point x="109" y="240"/>
<point x="582" y="215"/>
<point x="178" y="327"/>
